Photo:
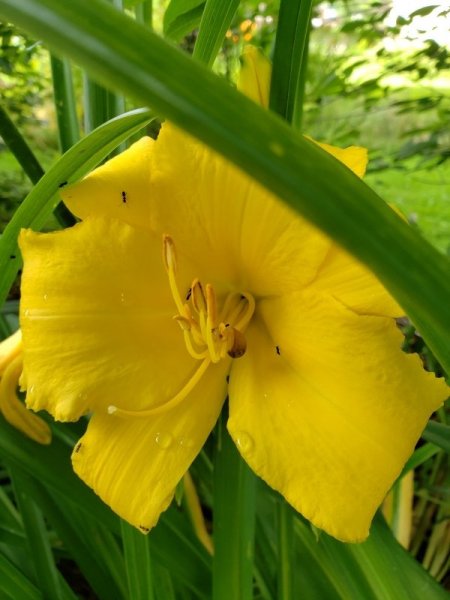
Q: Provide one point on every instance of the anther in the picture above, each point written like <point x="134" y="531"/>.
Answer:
<point x="198" y="297"/>
<point x="238" y="344"/>
<point x="169" y="256"/>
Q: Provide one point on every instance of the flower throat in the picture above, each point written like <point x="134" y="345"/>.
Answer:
<point x="210" y="335"/>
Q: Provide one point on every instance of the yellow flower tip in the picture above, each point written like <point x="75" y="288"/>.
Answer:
<point x="353" y="157"/>
<point x="254" y="76"/>
<point x="15" y="411"/>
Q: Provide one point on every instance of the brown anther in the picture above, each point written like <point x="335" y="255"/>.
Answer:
<point x="238" y="343"/>
<point x="198" y="297"/>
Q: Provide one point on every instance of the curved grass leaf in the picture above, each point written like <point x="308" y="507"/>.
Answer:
<point x="76" y="162"/>
<point x="125" y="55"/>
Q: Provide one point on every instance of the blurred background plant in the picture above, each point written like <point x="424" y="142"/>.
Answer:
<point x="378" y="76"/>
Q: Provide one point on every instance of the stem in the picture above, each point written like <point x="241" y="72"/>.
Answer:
<point x="234" y="520"/>
<point x="65" y="105"/>
<point x="137" y="563"/>
<point x="285" y="526"/>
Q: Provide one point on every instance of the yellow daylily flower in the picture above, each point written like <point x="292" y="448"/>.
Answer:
<point x="248" y="299"/>
<point x="11" y="407"/>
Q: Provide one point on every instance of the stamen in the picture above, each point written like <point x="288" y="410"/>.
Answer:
<point x="184" y="323"/>
<point x="177" y="399"/>
<point x="245" y="318"/>
<point x="238" y="344"/>
<point x="208" y="335"/>
<point x="169" y="255"/>
<point x="198" y="355"/>
<point x="170" y="262"/>
<point x="198" y="297"/>
<point x="211" y="321"/>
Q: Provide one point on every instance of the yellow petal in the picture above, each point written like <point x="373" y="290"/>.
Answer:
<point x="254" y="76"/>
<point x="177" y="185"/>
<point x="96" y="318"/>
<point x="345" y="278"/>
<point x="9" y="349"/>
<point x="244" y="235"/>
<point x="353" y="157"/>
<point x="134" y="464"/>
<point x="15" y="411"/>
<point x="118" y="189"/>
<point x="327" y="409"/>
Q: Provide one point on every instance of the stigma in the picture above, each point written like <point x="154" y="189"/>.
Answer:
<point x="211" y="332"/>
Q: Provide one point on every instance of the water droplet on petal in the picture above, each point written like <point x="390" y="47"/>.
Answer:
<point x="164" y="440"/>
<point x="244" y="442"/>
<point x="31" y="389"/>
<point x="26" y="313"/>
<point x="122" y="298"/>
<point x="186" y="442"/>
<point x="45" y="297"/>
